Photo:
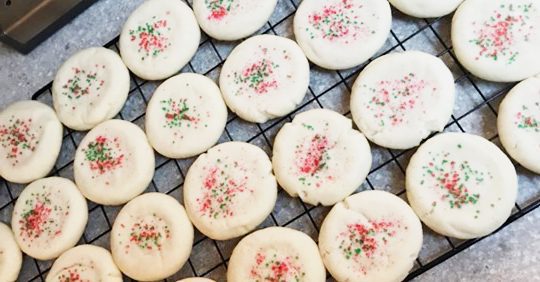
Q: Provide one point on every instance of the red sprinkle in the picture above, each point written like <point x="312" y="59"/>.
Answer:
<point x="274" y="267"/>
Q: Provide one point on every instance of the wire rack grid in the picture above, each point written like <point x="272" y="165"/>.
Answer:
<point x="475" y="112"/>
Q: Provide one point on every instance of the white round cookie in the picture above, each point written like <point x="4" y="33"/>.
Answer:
<point x="498" y="40"/>
<point x="276" y="254"/>
<point x="30" y="141"/>
<point x="10" y="255"/>
<point x="320" y="157"/>
<point x="401" y="98"/>
<point x="159" y="38"/>
<point x="114" y="163"/>
<point x="186" y="116"/>
<point x="370" y="236"/>
<point x="85" y="263"/>
<point x="90" y="87"/>
<point x="461" y="185"/>
<point x="196" y="279"/>
<point x="151" y="232"/>
<point x="264" y="77"/>
<point x="230" y="190"/>
<point x="232" y="19"/>
<point x="49" y="217"/>
<point x="341" y="34"/>
<point x="426" y="8"/>
<point x="518" y="123"/>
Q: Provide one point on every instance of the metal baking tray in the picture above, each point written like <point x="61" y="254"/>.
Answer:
<point x="24" y="24"/>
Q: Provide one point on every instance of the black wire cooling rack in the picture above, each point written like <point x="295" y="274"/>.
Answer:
<point x="475" y="112"/>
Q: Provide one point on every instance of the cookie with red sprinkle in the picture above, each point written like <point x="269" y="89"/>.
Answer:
<point x="232" y="19"/>
<point x="185" y="116"/>
<point x="90" y="87"/>
<point x="230" y="190"/>
<point x="320" y="158"/>
<point x="151" y="237"/>
<point x="341" y="34"/>
<point x="461" y="185"/>
<point x="401" y="98"/>
<point x="159" y="38"/>
<point x="30" y="141"/>
<point x="113" y="163"/>
<point x="426" y="8"/>
<point x="84" y="263"/>
<point x="498" y="40"/>
<point x="49" y="217"/>
<point x="370" y="236"/>
<point x="518" y="123"/>
<point x="10" y="255"/>
<point x="264" y="77"/>
<point x="276" y="254"/>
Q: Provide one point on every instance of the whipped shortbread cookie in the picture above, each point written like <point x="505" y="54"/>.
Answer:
<point x="232" y="19"/>
<point x="461" y="185"/>
<point x="320" y="158"/>
<point x="90" y="87"/>
<point x="159" y="38"/>
<point x="264" y="77"/>
<point x="30" y="141"/>
<point x="498" y="40"/>
<point x="49" y="217"/>
<point x="341" y="34"/>
<point x="401" y="98"/>
<point x="370" y="236"/>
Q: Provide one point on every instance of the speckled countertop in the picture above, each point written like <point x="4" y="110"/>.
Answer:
<point x="512" y="254"/>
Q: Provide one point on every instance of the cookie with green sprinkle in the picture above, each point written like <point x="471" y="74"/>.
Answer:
<point x="232" y="19"/>
<point x="185" y="116"/>
<point x="30" y="141"/>
<point x="498" y="40"/>
<point x="370" y="236"/>
<point x="85" y="263"/>
<point x="159" y="38"/>
<point x="49" y="217"/>
<point x="90" y="87"/>
<point x="276" y="254"/>
<point x="230" y="190"/>
<point x="151" y="237"/>
<point x="461" y="185"/>
<point x="518" y="123"/>
<point x="113" y="163"/>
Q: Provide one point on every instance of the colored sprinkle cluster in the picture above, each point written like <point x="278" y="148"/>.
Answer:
<point x="83" y="82"/>
<point x="338" y="21"/>
<point x="41" y="217"/>
<point x="453" y="179"/>
<point x="393" y="99"/>
<point x="526" y="121"/>
<point x="177" y="113"/>
<point x="104" y="154"/>
<point x="363" y="240"/>
<point x="34" y="219"/>
<point x="18" y="137"/>
<point x="220" y="189"/>
<point x="497" y="36"/>
<point x="311" y="158"/>
<point x="274" y="268"/>
<point x="150" y="38"/>
<point x="72" y="275"/>
<point x="218" y="8"/>
<point x="149" y="236"/>
<point x="258" y="76"/>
